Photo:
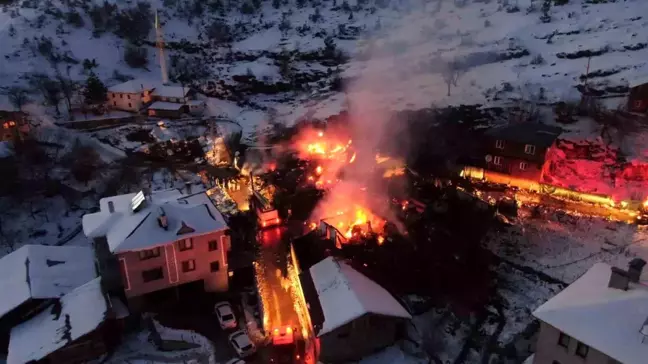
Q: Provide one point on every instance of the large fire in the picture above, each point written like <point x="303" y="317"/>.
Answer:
<point x="330" y="150"/>
<point x="345" y="207"/>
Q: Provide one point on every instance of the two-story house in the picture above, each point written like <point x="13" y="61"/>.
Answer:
<point x="131" y="96"/>
<point x="601" y="318"/>
<point x="519" y="149"/>
<point x="158" y="99"/>
<point x="148" y="243"/>
<point x="351" y="315"/>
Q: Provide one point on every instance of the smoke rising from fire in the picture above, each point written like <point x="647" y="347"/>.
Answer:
<point x="373" y="128"/>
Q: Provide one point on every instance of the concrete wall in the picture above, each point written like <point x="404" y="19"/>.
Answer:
<point x="359" y="338"/>
<point x="170" y="260"/>
<point x="548" y="350"/>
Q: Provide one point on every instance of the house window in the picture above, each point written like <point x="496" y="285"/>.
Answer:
<point x="563" y="340"/>
<point x="114" y="103"/>
<point x="499" y="144"/>
<point x="497" y="161"/>
<point x="638" y="104"/>
<point x="128" y="97"/>
<point x="529" y="149"/>
<point x="121" y="96"/>
<point x="150" y="253"/>
<point x="152" y="274"/>
<point x="214" y="266"/>
<point x="129" y="104"/>
<point x="582" y="350"/>
<point x="189" y="265"/>
<point x="523" y="166"/>
<point x="185" y="244"/>
<point x="213" y="245"/>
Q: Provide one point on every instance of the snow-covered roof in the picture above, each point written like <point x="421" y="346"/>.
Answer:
<point x="530" y="133"/>
<point x="161" y="105"/>
<point x="76" y="314"/>
<point x="43" y="272"/>
<point x="607" y="319"/>
<point x="171" y="91"/>
<point x="164" y="134"/>
<point x="346" y="294"/>
<point x="638" y="81"/>
<point x="134" y="86"/>
<point x="128" y="230"/>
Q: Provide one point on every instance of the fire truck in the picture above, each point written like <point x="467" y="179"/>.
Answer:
<point x="267" y="215"/>
<point x="284" y="346"/>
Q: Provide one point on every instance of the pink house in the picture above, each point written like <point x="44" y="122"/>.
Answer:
<point x="149" y="243"/>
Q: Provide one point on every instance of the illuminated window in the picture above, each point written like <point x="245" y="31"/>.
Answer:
<point x="12" y="123"/>
<point x="499" y="144"/>
<point x="523" y="166"/>
<point x="529" y="149"/>
<point x="497" y="161"/>
<point x="5" y="125"/>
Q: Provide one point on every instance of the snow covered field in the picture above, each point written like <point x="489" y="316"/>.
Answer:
<point x="399" y="50"/>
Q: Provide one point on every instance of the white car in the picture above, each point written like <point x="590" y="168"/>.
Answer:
<point x="242" y="344"/>
<point x="225" y="315"/>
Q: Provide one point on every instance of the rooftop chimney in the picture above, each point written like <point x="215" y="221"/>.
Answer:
<point x="619" y="279"/>
<point x="634" y="269"/>
<point x="188" y="188"/>
<point x="111" y="207"/>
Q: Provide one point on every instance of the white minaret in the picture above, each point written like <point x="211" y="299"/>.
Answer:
<point x="160" y="47"/>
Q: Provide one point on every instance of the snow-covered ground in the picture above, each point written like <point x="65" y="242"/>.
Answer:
<point x="399" y="49"/>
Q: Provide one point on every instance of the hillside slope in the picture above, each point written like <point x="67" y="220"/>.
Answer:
<point x="399" y="50"/>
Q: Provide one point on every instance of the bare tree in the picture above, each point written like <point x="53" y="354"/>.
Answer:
<point x="49" y="89"/>
<point x="451" y="73"/>
<point x="68" y="88"/>
<point x="17" y="97"/>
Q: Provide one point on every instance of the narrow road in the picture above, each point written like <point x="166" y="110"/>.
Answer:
<point x="273" y="257"/>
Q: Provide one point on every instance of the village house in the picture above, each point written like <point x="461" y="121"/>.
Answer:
<point x="601" y="318"/>
<point x="149" y="243"/>
<point x="32" y="276"/>
<point x="158" y="99"/>
<point x="638" y="95"/>
<point x="520" y="149"/>
<point x="351" y="315"/>
<point x="14" y="126"/>
<point x="81" y="325"/>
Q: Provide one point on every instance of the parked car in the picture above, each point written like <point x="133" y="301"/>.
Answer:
<point x="225" y="315"/>
<point x="241" y="342"/>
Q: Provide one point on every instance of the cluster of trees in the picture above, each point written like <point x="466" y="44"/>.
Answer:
<point x="133" y="24"/>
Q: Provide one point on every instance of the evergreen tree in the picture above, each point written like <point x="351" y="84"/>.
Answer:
<point x="546" y="7"/>
<point x="95" y="91"/>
